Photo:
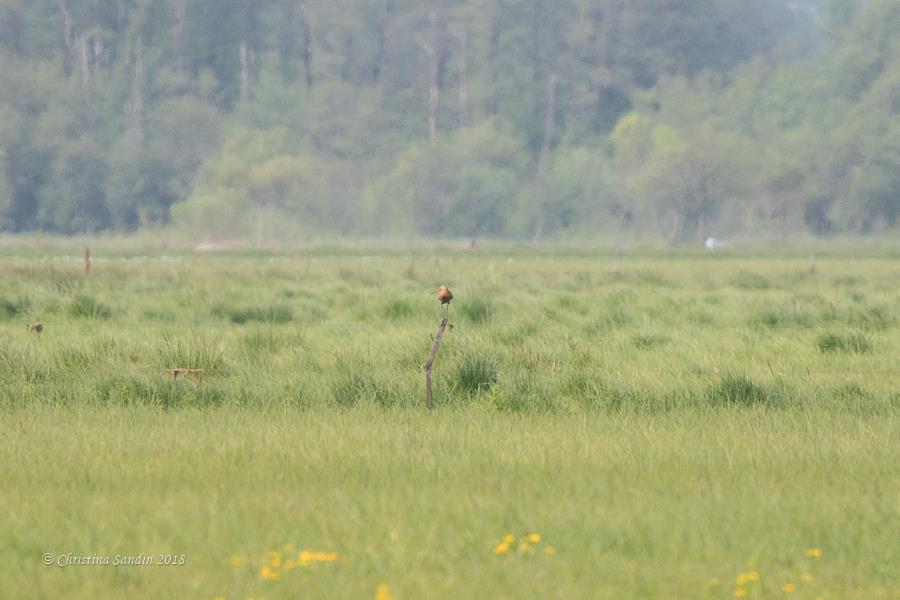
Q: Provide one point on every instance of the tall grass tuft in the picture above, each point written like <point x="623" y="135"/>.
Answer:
<point x="477" y="309"/>
<point x="22" y="365"/>
<point x="399" y="309"/>
<point x="193" y="353"/>
<point x="735" y="389"/>
<point x="127" y="390"/>
<point x="748" y="280"/>
<point x="88" y="307"/>
<point x="274" y="313"/>
<point x="476" y="371"/>
<point x="11" y="308"/>
<point x="852" y="342"/>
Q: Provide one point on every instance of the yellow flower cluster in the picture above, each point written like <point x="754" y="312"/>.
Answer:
<point x="384" y="592"/>
<point x="275" y="563"/>
<point x="526" y="544"/>
<point x="742" y="580"/>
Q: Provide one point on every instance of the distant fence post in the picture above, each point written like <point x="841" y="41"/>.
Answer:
<point x="87" y="260"/>
<point x="429" y="401"/>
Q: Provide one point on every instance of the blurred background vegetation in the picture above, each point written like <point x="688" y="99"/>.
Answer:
<point x="528" y="119"/>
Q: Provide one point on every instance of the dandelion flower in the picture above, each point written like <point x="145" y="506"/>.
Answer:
<point x="814" y="552"/>
<point x="740" y="592"/>
<point x="502" y="548"/>
<point x="523" y="546"/>
<point x="549" y="550"/>
<point x="752" y="575"/>
<point x="384" y="592"/>
<point x="509" y="538"/>
<point x="219" y="598"/>
<point x="534" y="538"/>
<point x="274" y="559"/>
<point x="741" y="579"/>
<point x="806" y="578"/>
<point x="789" y="587"/>
<point x="269" y="574"/>
<point x="234" y="561"/>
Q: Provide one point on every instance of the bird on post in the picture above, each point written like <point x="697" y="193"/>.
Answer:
<point x="445" y="296"/>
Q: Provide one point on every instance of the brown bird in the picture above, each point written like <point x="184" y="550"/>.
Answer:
<point x="35" y="327"/>
<point x="445" y="296"/>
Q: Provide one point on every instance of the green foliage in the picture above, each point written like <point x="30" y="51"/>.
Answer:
<point x="675" y="121"/>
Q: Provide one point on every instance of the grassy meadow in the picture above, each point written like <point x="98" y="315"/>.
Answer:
<point x="691" y="426"/>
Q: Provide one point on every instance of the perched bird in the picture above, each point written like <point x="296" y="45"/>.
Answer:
<point x="35" y="327"/>
<point x="445" y="296"/>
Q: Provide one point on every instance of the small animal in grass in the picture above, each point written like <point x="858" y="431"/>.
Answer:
<point x="445" y="296"/>
<point x="35" y="327"/>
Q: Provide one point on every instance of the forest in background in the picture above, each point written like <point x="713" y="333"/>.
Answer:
<point x="522" y="119"/>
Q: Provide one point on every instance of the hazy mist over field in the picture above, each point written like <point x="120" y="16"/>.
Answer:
<point x="294" y="120"/>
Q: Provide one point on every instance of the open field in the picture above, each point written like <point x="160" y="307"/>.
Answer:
<point x="665" y="429"/>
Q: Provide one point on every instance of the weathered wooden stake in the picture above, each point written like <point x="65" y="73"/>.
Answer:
<point x="812" y="263"/>
<point x="87" y="260"/>
<point x="617" y="263"/>
<point x="428" y="363"/>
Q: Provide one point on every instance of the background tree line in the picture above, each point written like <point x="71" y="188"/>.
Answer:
<point x="446" y="118"/>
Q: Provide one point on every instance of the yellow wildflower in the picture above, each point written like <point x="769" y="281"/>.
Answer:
<point x="219" y="598"/>
<point x="289" y="564"/>
<point x="234" y="561"/>
<point x="509" y="538"/>
<point x="523" y="546"/>
<point x="269" y="574"/>
<point x="501" y="548"/>
<point x="274" y="559"/>
<point x="549" y="550"/>
<point x="307" y="556"/>
<point x="384" y="592"/>
<point x="814" y="552"/>
<point x="740" y="592"/>
<point x="741" y="579"/>
<point x="789" y="587"/>
<point x="714" y="582"/>
<point x="534" y="538"/>
<point x="806" y="578"/>
<point x="752" y="575"/>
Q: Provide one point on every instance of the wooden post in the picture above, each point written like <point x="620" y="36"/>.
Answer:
<point x="87" y="260"/>
<point x="429" y="402"/>
<point x="617" y="263"/>
<point x="812" y="263"/>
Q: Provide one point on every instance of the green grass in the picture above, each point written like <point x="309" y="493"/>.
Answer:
<point x="663" y="429"/>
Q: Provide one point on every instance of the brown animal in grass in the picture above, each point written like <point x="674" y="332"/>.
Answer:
<point x="35" y="327"/>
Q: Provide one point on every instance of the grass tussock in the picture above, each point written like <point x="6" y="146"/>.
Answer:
<point x="851" y="342"/>
<point x="476" y="309"/>
<point x="748" y="280"/>
<point x="736" y="389"/>
<point x="476" y="371"/>
<point x="88" y="307"/>
<point x="274" y="313"/>
<point x="191" y="353"/>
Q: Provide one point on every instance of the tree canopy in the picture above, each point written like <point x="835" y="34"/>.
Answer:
<point x="450" y="118"/>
